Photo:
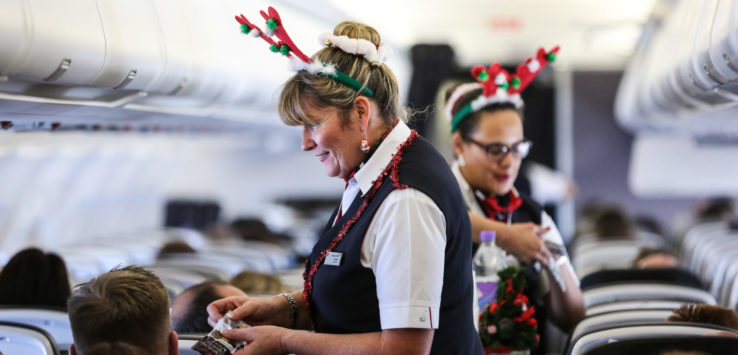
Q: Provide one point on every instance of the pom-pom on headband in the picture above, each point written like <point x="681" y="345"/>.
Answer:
<point x="299" y="60"/>
<point x="497" y="85"/>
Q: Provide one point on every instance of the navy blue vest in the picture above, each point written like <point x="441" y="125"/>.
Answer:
<point x="344" y="297"/>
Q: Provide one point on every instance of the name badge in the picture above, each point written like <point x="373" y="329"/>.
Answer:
<point x="333" y="259"/>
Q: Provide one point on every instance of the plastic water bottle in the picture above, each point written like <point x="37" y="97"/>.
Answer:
<point x="489" y="260"/>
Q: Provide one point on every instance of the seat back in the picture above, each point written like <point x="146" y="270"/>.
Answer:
<point x="23" y="339"/>
<point x="632" y="305"/>
<point x="610" y="319"/>
<point x="674" y="276"/>
<point x="713" y="345"/>
<point x="644" y="291"/>
<point x="589" y="341"/>
<point x="54" y="322"/>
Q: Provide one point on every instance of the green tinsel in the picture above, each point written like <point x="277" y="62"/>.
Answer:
<point x="245" y="28"/>
<point x="284" y="49"/>
<point x="551" y="57"/>
<point x="274" y="48"/>
<point x="483" y="76"/>
<point x="515" y="83"/>
<point x="511" y="334"/>
<point x="272" y="24"/>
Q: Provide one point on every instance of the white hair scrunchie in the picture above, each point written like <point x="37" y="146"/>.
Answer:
<point x="376" y="55"/>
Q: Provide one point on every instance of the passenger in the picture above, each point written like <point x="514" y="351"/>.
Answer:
<point x="391" y="271"/>
<point x="175" y="247"/>
<point x="489" y="145"/>
<point x="128" y="305"/>
<point x="705" y="313"/>
<point x="650" y="258"/>
<point x="189" y="309"/>
<point x="257" y="283"/>
<point x="35" y="278"/>
<point x="614" y="224"/>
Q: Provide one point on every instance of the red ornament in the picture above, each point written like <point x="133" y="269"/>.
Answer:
<point x="532" y="322"/>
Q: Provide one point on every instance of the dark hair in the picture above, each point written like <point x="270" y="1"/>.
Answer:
<point x="118" y="348"/>
<point x="469" y="124"/>
<point x="195" y="317"/>
<point x="127" y="305"/>
<point x="35" y="278"/>
<point x="613" y="223"/>
<point x="705" y="313"/>
<point x="175" y="247"/>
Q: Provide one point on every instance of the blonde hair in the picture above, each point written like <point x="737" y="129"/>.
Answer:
<point x="253" y="282"/>
<point x="323" y="91"/>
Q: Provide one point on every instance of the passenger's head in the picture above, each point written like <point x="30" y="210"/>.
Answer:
<point x="481" y="141"/>
<point x="189" y="309"/>
<point x="655" y="258"/>
<point x="613" y="223"/>
<point x="175" y="247"/>
<point x="34" y="278"/>
<point x="128" y="305"/>
<point x="335" y="116"/>
<point x="717" y="208"/>
<point x="253" y="282"/>
<point x="705" y="313"/>
<point x="116" y="349"/>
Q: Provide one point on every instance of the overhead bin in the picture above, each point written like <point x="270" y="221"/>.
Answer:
<point x="63" y="43"/>
<point x="134" y="51"/>
<point x="683" y="69"/>
<point x="12" y="26"/>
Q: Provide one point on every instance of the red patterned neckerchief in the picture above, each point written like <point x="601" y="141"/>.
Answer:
<point x="391" y="170"/>
<point x="503" y="214"/>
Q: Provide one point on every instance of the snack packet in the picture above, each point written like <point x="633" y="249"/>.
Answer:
<point x="215" y="343"/>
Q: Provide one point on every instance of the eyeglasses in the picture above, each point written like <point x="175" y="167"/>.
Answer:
<point x="497" y="152"/>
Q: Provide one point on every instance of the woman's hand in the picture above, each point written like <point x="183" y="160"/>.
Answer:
<point x="523" y="240"/>
<point x="252" y="310"/>
<point x="260" y="340"/>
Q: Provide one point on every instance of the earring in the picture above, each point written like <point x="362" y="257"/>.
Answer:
<point x="460" y="160"/>
<point x="364" y="145"/>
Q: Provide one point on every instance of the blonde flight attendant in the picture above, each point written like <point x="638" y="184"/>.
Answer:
<point x="391" y="271"/>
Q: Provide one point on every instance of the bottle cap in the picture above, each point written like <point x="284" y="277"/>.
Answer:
<point x="487" y="236"/>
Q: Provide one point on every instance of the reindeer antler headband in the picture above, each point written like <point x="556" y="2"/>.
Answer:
<point x="498" y="85"/>
<point x="376" y="55"/>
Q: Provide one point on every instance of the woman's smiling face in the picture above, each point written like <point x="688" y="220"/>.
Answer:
<point x="483" y="173"/>
<point x="334" y="139"/>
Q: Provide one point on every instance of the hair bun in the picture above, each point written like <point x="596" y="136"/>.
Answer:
<point x="358" y="30"/>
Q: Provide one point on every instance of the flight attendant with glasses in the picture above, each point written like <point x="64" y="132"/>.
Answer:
<point x="489" y="145"/>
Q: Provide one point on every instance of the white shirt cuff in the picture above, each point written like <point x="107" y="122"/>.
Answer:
<point x="409" y="317"/>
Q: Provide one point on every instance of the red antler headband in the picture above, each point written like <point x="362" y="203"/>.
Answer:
<point x="360" y="47"/>
<point x="498" y="85"/>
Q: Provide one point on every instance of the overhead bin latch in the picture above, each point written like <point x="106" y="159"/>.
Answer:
<point x="131" y="75"/>
<point x="63" y="67"/>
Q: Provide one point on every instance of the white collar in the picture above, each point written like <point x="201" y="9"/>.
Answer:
<point x="370" y="171"/>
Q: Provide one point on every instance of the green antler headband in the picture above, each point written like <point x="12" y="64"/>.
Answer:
<point x="299" y="60"/>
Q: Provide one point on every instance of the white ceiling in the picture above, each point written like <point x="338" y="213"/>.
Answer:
<point x="593" y="34"/>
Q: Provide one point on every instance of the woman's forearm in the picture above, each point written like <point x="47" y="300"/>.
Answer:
<point x="565" y="309"/>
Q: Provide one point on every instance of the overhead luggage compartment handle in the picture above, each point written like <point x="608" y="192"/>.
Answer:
<point x="131" y="75"/>
<point x="114" y="102"/>
<point x="65" y="64"/>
